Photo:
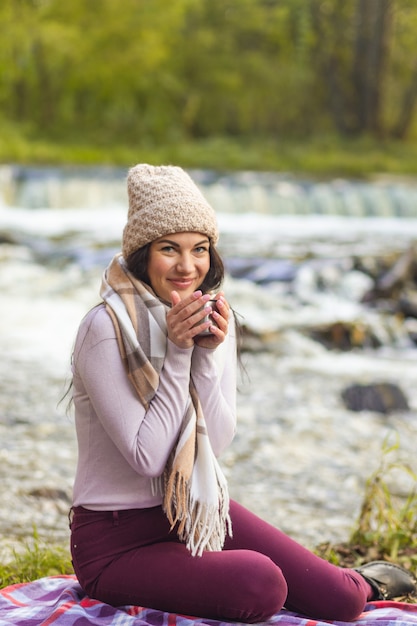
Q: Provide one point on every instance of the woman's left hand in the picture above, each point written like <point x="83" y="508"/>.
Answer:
<point x="218" y="330"/>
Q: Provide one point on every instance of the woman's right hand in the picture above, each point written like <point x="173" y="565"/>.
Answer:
<point x="184" y="316"/>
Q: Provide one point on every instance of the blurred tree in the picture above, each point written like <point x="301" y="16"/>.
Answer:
<point x="244" y="75"/>
<point x="402" y="79"/>
<point x="89" y="66"/>
<point x="373" y="22"/>
<point x="151" y="70"/>
<point x="358" y="46"/>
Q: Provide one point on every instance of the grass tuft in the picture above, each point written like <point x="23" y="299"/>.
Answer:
<point x="386" y="528"/>
<point x="388" y="523"/>
<point x="35" y="560"/>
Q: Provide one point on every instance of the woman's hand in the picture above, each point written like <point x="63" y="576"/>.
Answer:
<point x="185" y="317"/>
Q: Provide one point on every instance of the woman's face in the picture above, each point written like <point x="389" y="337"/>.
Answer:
<point x="178" y="262"/>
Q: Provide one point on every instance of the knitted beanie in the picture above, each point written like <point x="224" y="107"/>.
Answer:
<point x="164" y="200"/>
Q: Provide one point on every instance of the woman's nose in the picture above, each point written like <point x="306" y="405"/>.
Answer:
<point x="185" y="263"/>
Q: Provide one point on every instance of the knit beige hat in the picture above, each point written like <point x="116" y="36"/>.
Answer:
<point x="164" y="200"/>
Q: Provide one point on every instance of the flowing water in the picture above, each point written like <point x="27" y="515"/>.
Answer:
<point x="300" y="458"/>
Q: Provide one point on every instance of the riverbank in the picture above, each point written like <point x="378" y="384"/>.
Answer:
<point x="300" y="459"/>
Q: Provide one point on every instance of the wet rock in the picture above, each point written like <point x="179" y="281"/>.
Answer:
<point x="407" y="303"/>
<point x="260" y="270"/>
<point x="401" y="271"/>
<point x="379" y="397"/>
<point x="50" y="493"/>
<point x="411" y="329"/>
<point x="393" y="279"/>
<point x="345" y="336"/>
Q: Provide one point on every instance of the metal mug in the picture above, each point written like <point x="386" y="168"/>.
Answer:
<point x="207" y="318"/>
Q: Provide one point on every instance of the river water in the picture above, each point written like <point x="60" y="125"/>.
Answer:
<point x="300" y="458"/>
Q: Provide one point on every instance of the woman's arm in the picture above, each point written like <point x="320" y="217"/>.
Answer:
<point x="144" y="438"/>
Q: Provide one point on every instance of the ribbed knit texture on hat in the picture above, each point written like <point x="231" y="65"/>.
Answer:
<point x="164" y="200"/>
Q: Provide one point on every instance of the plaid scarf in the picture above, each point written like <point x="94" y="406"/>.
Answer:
<point x="193" y="486"/>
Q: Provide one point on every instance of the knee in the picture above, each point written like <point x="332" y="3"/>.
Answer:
<point x="262" y="589"/>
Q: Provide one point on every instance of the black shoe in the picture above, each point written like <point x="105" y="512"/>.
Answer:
<point x="388" y="580"/>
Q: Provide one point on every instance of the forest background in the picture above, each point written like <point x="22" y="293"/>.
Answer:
<point x="318" y="86"/>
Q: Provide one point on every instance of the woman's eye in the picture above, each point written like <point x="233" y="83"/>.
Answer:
<point x="201" y="249"/>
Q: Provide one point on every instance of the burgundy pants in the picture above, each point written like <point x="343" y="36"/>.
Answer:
<point x="131" y="557"/>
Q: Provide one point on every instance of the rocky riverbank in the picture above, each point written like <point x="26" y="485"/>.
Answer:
<point x="301" y="457"/>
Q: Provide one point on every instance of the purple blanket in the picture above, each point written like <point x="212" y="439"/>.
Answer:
<point x="60" y="601"/>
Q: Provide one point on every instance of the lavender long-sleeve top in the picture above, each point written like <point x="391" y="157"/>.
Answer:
<point x="120" y="445"/>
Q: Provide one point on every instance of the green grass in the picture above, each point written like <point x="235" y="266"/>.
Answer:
<point x="322" y="156"/>
<point x="35" y="559"/>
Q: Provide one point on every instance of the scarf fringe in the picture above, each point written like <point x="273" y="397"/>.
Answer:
<point x="201" y="526"/>
<point x="176" y="500"/>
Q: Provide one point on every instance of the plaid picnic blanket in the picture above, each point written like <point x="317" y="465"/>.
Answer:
<point x="60" y="601"/>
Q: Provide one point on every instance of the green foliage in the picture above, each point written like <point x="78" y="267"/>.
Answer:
<point x="324" y="156"/>
<point x="151" y="72"/>
<point x="34" y="561"/>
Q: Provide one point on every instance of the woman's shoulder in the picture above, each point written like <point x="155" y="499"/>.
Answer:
<point x="96" y="326"/>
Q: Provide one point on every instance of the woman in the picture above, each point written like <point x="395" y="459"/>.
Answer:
<point x="154" y="385"/>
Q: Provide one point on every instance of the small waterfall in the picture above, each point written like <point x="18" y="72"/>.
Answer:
<point x="62" y="187"/>
<point x="243" y="192"/>
<point x="273" y="194"/>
